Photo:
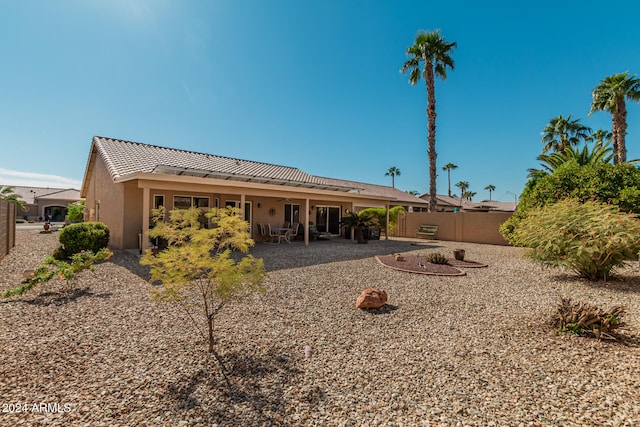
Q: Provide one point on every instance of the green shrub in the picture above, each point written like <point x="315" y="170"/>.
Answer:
<point x="381" y="215"/>
<point x="51" y="268"/>
<point x="75" y="211"/>
<point x="20" y="221"/>
<point x="437" y="258"/>
<point x="590" y="238"/>
<point x="86" y="236"/>
<point x="59" y="254"/>
<point x="604" y="182"/>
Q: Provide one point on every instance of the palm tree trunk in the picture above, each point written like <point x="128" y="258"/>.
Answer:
<point x="620" y="117"/>
<point x="449" y="182"/>
<point x="431" y="136"/>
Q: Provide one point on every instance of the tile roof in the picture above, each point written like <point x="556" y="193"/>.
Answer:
<point x="379" y="190"/>
<point x="30" y="194"/>
<point x="68" y="194"/>
<point x="124" y="158"/>
<point x="470" y="205"/>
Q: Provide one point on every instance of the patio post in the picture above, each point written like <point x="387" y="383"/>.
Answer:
<point x="146" y="211"/>
<point x="386" y="231"/>
<point x="306" y="222"/>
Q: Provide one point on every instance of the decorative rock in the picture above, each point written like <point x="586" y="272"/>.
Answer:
<point x="308" y="351"/>
<point x="371" y="298"/>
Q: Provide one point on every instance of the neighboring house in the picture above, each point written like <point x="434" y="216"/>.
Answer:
<point x="45" y="203"/>
<point x="450" y="204"/>
<point x="125" y="180"/>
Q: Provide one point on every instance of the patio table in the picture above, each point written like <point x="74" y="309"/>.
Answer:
<point x="284" y="231"/>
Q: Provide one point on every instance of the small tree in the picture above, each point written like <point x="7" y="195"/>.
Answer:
<point x="199" y="261"/>
<point x="75" y="211"/>
<point x="590" y="238"/>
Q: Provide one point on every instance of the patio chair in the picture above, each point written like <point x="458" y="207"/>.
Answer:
<point x="294" y="232"/>
<point x="261" y="231"/>
<point x="274" y="234"/>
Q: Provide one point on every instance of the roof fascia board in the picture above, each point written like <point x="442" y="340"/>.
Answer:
<point x="91" y="160"/>
<point x="177" y="182"/>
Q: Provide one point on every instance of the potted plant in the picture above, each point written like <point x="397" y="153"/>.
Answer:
<point x="459" y="254"/>
<point x="313" y="231"/>
<point x="353" y="221"/>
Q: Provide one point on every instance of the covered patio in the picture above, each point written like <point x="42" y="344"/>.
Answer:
<point x="125" y="180"/>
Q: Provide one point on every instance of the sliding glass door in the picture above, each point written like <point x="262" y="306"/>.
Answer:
<point x="328" y="219"/>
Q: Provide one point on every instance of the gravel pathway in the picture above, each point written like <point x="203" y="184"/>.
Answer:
<point x="475" y="350"/>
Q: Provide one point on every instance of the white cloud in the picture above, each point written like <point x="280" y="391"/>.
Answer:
<point x="10" y="177"/>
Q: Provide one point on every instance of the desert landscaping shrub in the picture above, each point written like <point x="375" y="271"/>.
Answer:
<point x="51" y="267"/>
<point x="75" y="211"/>
<point x="583" y="318"/>
<point x="604" y="182"/>
<point x="590" y="238"/>
<point x="381" y="216"/>
<point x="200" y="262"/>
<point x="437" y="258"/>
<point x="86" y="236"/>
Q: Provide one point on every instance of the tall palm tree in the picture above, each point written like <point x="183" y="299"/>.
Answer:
<point x="562" y="133"/>
<point x="393" y="172"/>
<point x="469" y="195"/>
<point x="448" y="168"/>
<point x="491" y="188"/>
<point x="611" y="95"/>
<point x="463" y="186"/>
<point x="429" y="56"/>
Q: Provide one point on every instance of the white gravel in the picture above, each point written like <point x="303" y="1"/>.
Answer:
<point x="460" y="351"/>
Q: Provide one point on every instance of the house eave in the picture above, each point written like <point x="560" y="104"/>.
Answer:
<point x="146" y="179"/>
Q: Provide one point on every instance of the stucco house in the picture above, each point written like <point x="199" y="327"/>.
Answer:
<point x="125" y="180"/>
<point x="45" y="203"/>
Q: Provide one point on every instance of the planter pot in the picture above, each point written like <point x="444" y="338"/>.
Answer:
<point x="459" y="254"/>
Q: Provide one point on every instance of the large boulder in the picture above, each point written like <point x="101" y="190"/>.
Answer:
<point x="371" y="298"/>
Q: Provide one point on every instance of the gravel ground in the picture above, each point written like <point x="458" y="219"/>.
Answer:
<point x="459" y="351"/>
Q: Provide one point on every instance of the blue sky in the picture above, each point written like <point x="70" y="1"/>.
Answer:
<point x="309" y="84"/>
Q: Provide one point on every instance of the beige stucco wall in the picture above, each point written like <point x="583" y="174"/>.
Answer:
<point x="473" y="227"/>
<point x="132" y="218"/>
<point x="105" y="203"/>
